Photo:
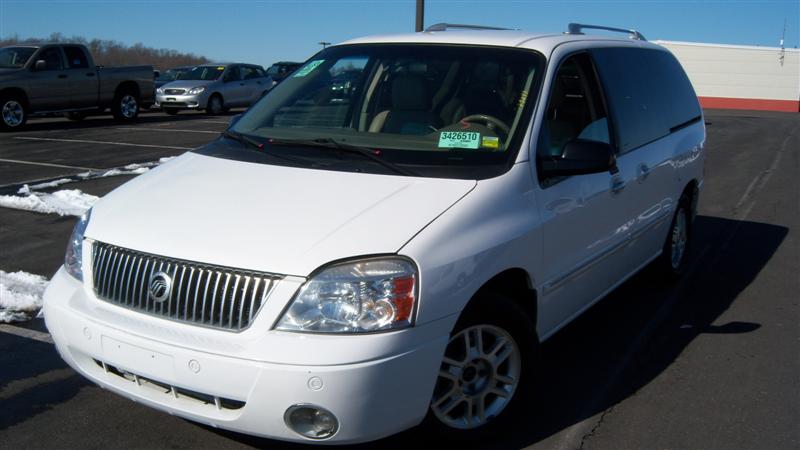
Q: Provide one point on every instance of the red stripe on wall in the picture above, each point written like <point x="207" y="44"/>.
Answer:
<point x="750" y="103"/>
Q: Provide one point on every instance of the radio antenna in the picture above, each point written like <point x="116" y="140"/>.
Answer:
<point x="782" y="54"/>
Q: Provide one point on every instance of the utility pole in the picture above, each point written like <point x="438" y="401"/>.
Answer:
<point x="420" y="15"/>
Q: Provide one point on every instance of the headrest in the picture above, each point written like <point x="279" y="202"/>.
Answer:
<point x="409" y="93"/>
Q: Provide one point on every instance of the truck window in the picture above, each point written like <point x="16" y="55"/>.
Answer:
<point x="575" y="109"/>
<point x="52" y="58"/>
<point x="76" y="58"/>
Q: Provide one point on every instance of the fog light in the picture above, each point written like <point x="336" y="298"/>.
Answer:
<point x="311" y="421"/>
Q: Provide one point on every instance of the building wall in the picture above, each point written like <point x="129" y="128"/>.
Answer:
<point x="741" y="77"/>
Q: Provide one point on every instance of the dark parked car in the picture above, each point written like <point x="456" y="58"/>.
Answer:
<point x="280" y="70"/>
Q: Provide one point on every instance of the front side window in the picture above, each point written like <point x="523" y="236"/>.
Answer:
<point x="575" y="109"/>
<point x="436" y="110"/>
<point x="15" y="57"/>
<point x="51" y="58"/>
<point x="207" y="73"/>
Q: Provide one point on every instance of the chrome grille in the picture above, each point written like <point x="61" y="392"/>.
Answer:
<point x="174" y="91"/>
<point x="201" y="294"/>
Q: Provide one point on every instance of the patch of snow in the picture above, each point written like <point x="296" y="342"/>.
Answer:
<point x="25" y="189"/>
<point x="67" y="202"/>
<point x="20" y="295"/>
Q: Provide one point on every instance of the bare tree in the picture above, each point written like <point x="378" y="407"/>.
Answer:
<point x="114" y="53"/>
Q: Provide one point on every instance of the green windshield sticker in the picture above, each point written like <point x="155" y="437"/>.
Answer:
<point x="492" y="142"/>
<point x="308" y="68"/>
<point x="459" y="139"/>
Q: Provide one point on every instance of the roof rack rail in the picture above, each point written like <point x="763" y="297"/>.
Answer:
<point x="577" y="28"/>
<point x="447" y="26"/>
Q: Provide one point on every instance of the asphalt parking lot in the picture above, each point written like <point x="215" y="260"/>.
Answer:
<point x="709" y="362"/>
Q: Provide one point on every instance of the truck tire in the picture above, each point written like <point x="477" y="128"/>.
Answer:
<point x="126" y="106"/>
<point x="13" y="113"/>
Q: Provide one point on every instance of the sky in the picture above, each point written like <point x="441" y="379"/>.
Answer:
<point x="264" y="31"/>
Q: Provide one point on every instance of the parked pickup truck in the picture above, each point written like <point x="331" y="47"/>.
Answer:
<point x="62" y="78"/>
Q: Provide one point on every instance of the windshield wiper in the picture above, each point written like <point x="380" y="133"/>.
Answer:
<point x="259" y="146"/>
<point x="330" y="143"/>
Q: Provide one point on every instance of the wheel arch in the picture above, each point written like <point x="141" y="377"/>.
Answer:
<point x="692" y="192"/>
<point x="17" y="93"/>
<point x="130" y="87"/>
<point x="514" y="283"/>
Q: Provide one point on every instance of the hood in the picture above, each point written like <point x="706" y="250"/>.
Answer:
<point x="268" y="218"/>
<point x="8" y="73"/>
<point x="187" y="84"/>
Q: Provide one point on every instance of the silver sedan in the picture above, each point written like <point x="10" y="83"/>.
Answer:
<point x="214" y="88"/>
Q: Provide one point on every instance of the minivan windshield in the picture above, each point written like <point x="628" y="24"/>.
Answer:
<point x="203" y="73"/>
<point x="15" y="57"/>
<point x="434" y="110"/>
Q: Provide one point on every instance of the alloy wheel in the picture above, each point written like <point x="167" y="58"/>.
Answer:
<point x="678" y="240"/>
<point x="128" y="106"/>
<point x="13" y="113"/>
<point x="478" y="377"/>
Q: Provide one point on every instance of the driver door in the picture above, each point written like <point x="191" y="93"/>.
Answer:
<point x="50" y="87"/>
<point x="585" y="218"/>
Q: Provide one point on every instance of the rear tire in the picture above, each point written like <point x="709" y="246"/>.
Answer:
<point x="675" y="253"/>
<point x="171" y="111"/>
<point x="215" y="105"/>
<point x="487" y="373"/>
<point x="126" y="106"/>
<point x="13" y="113"/>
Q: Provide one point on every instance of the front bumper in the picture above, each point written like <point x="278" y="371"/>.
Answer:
<point x="371" y="397"/>
<point x="185" y="101"/>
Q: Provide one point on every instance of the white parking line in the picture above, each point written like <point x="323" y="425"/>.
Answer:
<point x="82" y="141"/>
<point x="26" y="333"/>
<point x="167" y="130"/>
<point x="16" y="161"/>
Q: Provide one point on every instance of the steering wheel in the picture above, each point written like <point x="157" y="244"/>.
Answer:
<point x="491" y="121"/>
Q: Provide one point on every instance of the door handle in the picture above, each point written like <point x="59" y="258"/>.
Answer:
<point x="62" y="76"/>
<point x="617" y="185"/>
<point x="644" y="172"/>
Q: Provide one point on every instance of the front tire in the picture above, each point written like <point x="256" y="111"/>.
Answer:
<point x="13" y="113"/>
<point x="487" y="371"/>
<point x="215" y="105"/>
<point x="125" y="107"/>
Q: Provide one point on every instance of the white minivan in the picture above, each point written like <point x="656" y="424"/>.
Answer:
<point x="386" y="237"/>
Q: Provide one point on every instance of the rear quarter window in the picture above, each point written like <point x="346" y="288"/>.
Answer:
<point x="648" y="92"/>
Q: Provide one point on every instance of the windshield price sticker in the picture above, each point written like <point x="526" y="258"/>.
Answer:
<point x="308" y="68"/>
<point x="459" y="139"/>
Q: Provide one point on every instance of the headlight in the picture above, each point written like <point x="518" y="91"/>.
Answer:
<point x="359" y="296"/>
<point x="73" y="258"/>
<point x="197" y="90"/>
<point x="160" y="90"/>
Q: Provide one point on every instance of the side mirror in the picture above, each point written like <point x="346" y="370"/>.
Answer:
<point x="234" y="119"/>
<point x="40" y="65"/>
<point x="579" y="157"/>
<point x="156" y="74"/>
